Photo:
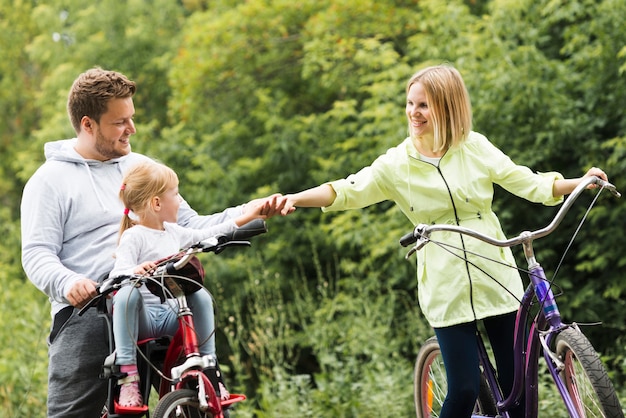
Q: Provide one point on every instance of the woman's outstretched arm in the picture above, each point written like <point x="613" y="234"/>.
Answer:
<point x="315" y="197"/>
<point x="566" y="186"/>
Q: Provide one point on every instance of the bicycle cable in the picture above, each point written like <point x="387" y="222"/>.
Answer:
<point x="574" y="235"/>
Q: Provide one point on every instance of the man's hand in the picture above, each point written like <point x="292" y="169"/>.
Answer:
<point x="81" y="292"/>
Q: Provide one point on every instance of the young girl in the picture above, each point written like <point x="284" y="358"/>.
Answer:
<point x="150" y="191"/>
<point x="444" y="172"/>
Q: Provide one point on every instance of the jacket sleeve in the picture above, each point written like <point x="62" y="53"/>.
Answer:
<point x="361" y="189"/>
<point x="189" y="236"/>
<point x="518" y="179"/>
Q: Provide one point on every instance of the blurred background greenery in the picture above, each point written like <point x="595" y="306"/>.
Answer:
<point x="246" y="98"/>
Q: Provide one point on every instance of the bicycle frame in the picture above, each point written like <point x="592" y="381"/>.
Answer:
<point x="186" y="342"/>
<point x="539" y="338"/>
<point x="527" y="360"/>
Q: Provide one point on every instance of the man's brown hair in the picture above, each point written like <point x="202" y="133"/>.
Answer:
<point x="92" y="91"/>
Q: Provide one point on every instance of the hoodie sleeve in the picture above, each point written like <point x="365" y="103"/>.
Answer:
<point x="189" y="218"/>
<point x="189" y="236"/>
<point x="42" y="226"/>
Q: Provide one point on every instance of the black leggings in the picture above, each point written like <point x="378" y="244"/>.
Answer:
<point x="460" y="357"/>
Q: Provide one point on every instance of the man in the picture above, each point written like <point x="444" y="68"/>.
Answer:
<point x="70" y="216"/>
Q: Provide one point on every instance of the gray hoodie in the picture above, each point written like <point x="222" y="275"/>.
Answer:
<point x="70" y="218"/>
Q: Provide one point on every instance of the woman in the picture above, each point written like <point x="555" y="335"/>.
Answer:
<point x="445" y="172"/>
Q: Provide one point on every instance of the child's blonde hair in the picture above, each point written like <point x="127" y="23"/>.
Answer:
<point x="449" y="103"/>
<point x="141" y="184"/>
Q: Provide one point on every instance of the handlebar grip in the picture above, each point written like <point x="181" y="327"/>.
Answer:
<point x="252" y="228"/>
<point x="105" y="287"/>
<point x="89" y="304"/>
<point x="408" y="239"/>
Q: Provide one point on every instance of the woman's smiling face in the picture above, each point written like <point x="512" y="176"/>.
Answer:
<point x="418" y="112"/>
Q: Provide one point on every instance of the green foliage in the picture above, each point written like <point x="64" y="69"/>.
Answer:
<point x="25" y="314"/>
<point x="308" y="354"/>
<point x="249" y="98"/>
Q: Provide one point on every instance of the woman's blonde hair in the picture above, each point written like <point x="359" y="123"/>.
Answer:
<point x="141" y="184"/>
<point x="449" y="103"/>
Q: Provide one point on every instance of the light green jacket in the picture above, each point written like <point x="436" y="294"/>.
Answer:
<point x="451" y="291"/>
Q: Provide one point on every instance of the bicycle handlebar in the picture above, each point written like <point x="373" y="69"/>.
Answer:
<point x="420" y="235"/>
<point x="215" y="244"/>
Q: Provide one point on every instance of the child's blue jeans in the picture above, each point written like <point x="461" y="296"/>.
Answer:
<point x="135" y="320"/>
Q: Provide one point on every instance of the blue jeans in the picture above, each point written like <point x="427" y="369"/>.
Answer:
<point x="134" y="320"/>
<point x="460" y="357"/>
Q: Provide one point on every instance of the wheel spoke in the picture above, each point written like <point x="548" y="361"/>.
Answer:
<point x="431" y="384"/>
<point x="585" y="378"/>
<point x="580" y="388"/>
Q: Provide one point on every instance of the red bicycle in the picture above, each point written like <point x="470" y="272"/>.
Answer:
<point x="172" y="364"/>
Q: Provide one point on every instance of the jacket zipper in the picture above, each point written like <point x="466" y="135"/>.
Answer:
<point x="457" y="221"/>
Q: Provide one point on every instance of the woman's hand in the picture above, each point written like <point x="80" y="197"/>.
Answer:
<point x="594" y="171"/>
<point x="566" y="186"/>
<point x="316" y="197"/>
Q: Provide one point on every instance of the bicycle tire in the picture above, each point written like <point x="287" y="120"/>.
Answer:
<point x="182" y="403"/>
<point x="585" y="377"/>
<point x="430" y="384"/>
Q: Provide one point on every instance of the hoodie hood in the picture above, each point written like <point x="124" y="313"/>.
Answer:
<point x="65" y="151"/>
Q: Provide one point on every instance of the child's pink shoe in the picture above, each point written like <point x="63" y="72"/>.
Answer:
<point x="130" y="395"/>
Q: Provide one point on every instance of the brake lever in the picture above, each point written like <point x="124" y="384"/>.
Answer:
<point x="422" y="239"/>
<point x="610" y="187"/>
<point x="418" y="246"/>
<point x="221" y="247"/>
<point x="103" y="289"/>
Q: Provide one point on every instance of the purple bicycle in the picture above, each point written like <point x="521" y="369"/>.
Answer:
<point x="571" y="361"/>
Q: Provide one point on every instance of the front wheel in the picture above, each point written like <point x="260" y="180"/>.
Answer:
<point x="182" y="403"/>
<point x="430" y="384"/>
<point x="584" y="377"/>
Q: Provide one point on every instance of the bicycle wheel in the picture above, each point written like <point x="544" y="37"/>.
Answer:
<point x="430" y="384"/>
<point x="182" y="403"/>
<point x="584" y="376"/>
